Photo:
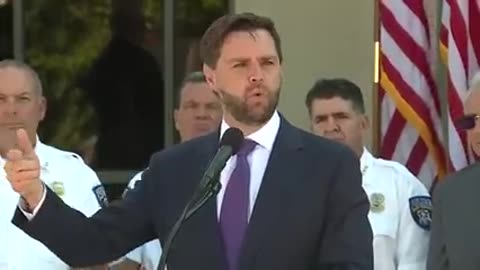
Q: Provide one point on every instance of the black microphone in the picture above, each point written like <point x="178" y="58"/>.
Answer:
<point x="209" y="185"/>
<point x="230" y="143"/>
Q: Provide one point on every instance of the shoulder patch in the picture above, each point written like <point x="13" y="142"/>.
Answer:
<point x="421" y="210"/>
<point x="101" y="195"/>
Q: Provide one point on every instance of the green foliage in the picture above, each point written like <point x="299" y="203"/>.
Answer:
<point x="190" y="21"/>
<point x="62" y="38"/>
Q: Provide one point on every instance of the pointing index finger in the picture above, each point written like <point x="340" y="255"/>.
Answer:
<point x="24" y="144"/>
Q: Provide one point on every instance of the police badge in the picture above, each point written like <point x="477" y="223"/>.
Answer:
<point x="58" y="188"/>
<point x="421" y="210"/>
<point x="377" y="202"/>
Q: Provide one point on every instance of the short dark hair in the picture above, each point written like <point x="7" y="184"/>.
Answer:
<point x="212" y="40"/>
<point x="339" y="87"/>
<point x="193" y="77"/>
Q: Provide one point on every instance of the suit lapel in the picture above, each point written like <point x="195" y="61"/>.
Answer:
<point x="274" y="194"/>
<point x="203" y="227"/>
<point x="208" y="238"/>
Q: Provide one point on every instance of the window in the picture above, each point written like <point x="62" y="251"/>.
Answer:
<point x="105" y="70"/>
<point x="6" y="29"/>
<point x="191" y="19"/>
<point x="104" y="87"/>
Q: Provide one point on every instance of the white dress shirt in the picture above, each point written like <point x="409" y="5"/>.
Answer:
<point x="257" y="159"/>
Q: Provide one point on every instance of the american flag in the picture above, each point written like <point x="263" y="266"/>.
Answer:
<point x="410" y="122"/>
<point x="460" y="51"/>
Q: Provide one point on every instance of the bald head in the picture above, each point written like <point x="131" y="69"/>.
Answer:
<point x="31" y="76"/>
<point x="21" y="102"/>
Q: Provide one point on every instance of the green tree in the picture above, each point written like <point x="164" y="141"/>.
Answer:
<point x="62" y="38"/>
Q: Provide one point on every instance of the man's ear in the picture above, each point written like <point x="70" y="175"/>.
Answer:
<point x="365" y="122"/>
<point x="175" y="119"/>
<point x="209" y="76"/>
<point x="310" y="124"/>
<point x="43" y="107"/>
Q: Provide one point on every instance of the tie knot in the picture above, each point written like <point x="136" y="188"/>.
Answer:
<point x="246" y="148"/>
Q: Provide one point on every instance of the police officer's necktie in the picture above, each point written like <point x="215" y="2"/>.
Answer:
<point x="235" y="206"/>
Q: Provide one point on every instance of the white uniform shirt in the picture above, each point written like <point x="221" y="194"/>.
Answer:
<point x="400" y="214"/>
<point x="147" y="255"/>
<point x="67" y="175"/>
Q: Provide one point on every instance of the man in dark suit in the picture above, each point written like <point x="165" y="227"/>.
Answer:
<point x="455" y="240"/>
<point x="289" y="199"/>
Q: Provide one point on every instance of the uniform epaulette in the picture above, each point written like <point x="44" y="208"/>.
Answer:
<point x="72" y="155"/>
<point x="399" y="169"/>
<point x="55" y="152"/>
<point x="76" y="156"/>
<point x="391" y="165"/>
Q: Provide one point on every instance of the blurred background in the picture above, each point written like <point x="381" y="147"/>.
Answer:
<point x="111" y="69"/>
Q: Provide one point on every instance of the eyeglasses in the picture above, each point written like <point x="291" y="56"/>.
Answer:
<point x="468" y="121"/>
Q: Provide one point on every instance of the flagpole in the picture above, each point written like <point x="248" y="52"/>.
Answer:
<point x="376" y="111"/>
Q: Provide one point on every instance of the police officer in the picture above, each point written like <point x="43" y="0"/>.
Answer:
<point x="400" y="205"/>
<point x="198" y="113"/>
<point x="22" y="105"/>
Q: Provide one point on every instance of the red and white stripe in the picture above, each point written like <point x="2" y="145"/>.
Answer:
<point x="460" y="50"/>
<point x="410" y="105"/>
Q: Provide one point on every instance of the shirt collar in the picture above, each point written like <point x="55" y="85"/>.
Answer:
<point x="366" y="160"/>
<point x="42" y="152"/>
<point x="265" y="136"/>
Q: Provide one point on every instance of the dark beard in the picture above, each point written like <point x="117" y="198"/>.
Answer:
<point x="239" y="110"/>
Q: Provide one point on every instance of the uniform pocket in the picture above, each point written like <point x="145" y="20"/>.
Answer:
<point x="383" y="216"/>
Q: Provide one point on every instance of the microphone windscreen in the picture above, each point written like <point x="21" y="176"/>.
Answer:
<point x="232" y="137"/>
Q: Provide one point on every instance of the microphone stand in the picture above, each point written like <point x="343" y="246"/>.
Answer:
<point x="211" y="189"/>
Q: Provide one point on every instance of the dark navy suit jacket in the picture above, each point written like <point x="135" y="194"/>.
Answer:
<point x="310" y="213"/>
<point x="455" y="239"/>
